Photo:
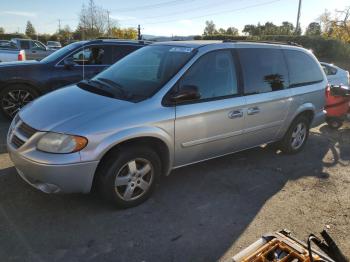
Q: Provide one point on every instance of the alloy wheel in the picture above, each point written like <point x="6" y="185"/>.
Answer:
<point x="134" y="179"/>
<point x="298" y="136"/>
<point x="14" y="100"/>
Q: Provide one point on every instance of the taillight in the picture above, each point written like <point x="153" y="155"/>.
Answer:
<point x="20" y="56"/>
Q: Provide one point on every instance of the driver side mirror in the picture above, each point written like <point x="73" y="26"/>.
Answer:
<point x="68" y="63"/>
<point x="186" y="93"/>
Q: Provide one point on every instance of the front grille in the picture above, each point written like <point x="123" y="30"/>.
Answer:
<point x="17" y="142"/>
<point x="20" y="133"/>
<point x="26" y="130"/>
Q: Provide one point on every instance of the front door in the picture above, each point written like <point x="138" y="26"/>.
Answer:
<point x="266" y="91"/>
<point x="212" y="125"/>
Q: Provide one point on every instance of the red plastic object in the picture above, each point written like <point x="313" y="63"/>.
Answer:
<point x="336" y="106"/>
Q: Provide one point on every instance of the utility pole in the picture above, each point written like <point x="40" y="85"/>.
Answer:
<point x="108" y="25"/>
<point x="59" y="25"/>
<point x="139" y="36"/>
<point x="298" y="18"/>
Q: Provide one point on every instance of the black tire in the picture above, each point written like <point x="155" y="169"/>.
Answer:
<point x="334" y="123"/>
<point x="286" y="144"/>
<point x="117" y="164"/>
<point x="14" y="97"/>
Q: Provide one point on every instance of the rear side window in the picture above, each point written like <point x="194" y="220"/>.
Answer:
<point x="264" y="70"/>
<point x="303" y="70"/>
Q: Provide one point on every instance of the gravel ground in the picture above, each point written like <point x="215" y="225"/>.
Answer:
<point x="205" y="212"/>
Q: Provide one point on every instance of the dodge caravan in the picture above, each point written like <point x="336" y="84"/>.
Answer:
<point x="162" y="107"/>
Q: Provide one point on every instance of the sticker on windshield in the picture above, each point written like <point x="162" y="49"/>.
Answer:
<point x="181" y="49"/>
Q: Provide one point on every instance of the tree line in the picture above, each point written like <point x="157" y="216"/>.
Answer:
<point x="329" y="25"/>
<point x="94" y="22"/>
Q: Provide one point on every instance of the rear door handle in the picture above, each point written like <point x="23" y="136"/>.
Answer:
<point x="253" y="110"/>
<point x="235" y="114"/>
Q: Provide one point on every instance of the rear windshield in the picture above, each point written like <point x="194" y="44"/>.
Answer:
<point x="146" y="70"/>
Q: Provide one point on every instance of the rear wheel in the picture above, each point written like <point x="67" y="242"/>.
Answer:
<point x="127" y="177"/>
<point x="296" y="136"/>
<point x="14" y="97"/>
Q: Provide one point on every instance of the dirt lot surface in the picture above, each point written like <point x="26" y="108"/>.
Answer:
<point x="205" y="212"/>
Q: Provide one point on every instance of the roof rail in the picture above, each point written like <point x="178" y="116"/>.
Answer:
<point x="123" y="40"/>
<point x="262" y="41"/>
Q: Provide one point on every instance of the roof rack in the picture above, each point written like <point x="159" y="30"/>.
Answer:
<point x="263" y="42"/>
<point x="101" y="39"/>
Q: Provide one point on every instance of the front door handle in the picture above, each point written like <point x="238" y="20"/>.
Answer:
<point x="253" y="110"/>
<point x="235" y="114"/>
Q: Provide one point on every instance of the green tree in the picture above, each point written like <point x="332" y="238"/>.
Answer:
<point x="222" y="31"/>
<point x="232" y="31"/>
<point x="286" y="28"/>
<point x="2" y="30"/>
<point x="250" y="30"/>
<point x="30" y="30"/>
<point x="313" y="29"/>
<point x="210" y="28"/>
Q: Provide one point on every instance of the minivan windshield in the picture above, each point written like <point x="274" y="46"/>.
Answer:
<point x="143" y="72"/>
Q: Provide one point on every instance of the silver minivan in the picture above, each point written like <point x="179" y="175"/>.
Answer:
<point x="166" y="106"/>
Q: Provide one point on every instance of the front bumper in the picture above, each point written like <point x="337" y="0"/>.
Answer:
<point x="49" y="178"/>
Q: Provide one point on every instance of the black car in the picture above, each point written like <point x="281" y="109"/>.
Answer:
<point x="21" y="82"/>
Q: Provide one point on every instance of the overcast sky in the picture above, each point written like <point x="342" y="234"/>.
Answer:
<point x="164" y="17"/>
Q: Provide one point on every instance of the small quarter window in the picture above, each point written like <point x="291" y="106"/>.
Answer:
<point x="303" y="70"/>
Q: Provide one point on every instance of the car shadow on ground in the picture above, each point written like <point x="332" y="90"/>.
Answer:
<point x="196" y="213"/>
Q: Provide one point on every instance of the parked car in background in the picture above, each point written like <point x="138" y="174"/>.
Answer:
<point x="35" y="50"/>
<point x="9" y="52"/>
<point x="53" y="45"/>
<point x="165" y="106"/>
<point x="336" y="75"/>
<point x="22" y="82"/>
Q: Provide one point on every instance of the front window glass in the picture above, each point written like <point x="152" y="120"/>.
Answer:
<point x="38" y="46"/>
<point x="213" y="74"/>
<point x="94" y="55"/>
<point x="144" y="71"/>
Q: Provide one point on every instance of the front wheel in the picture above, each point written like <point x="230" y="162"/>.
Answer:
<point x="296" y="136"/>
<point x="127" y="177"/>
<point x="14" y="97"/>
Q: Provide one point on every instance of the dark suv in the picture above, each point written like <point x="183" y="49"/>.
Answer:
<point x="21" y="82"/>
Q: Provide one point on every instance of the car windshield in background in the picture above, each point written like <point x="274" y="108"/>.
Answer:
<point x="60" y="52"/>
<point x="56" y="44"/>
<point x="142" y="73"/>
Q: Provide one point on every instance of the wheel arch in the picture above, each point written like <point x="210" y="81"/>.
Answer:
<point x="154" y="137"/>
<point x="30" y="84"/>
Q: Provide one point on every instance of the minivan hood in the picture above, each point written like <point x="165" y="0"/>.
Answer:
<point x="67" y="108"/>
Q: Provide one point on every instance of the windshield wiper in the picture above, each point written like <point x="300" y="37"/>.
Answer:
<point x="95" y="87"/>
<point x="115" y="85"/>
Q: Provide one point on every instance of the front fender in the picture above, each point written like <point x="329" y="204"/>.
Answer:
<point x="114" y="139"/>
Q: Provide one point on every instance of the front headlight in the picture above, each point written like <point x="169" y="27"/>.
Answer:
<point x="61" y="143"/>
